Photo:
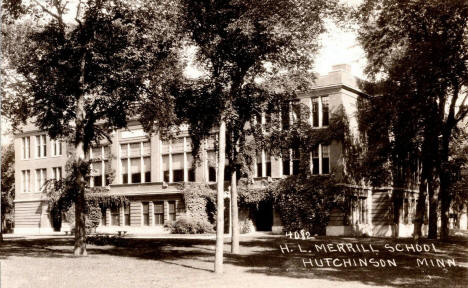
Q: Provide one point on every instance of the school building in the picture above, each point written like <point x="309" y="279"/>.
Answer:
<point x="148" y="171"/>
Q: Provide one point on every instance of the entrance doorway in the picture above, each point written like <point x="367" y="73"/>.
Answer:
<point x="263" y="216"/>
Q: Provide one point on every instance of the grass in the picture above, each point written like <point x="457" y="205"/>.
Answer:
<point x="189" y="262"/>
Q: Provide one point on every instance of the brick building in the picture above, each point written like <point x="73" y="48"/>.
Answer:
<point x="148" y="172"/>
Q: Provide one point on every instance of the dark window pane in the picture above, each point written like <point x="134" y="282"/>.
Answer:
<point x="97" y="181"/>
<point x="325" y="165"/>
<point x="325" y="113"/>
<point x="103" y="217"/>
<point x="212" y="174"/>
<point x="107" y="179"/>
<point x="295" y="167"/>
<point x="268" y="169"/>
<point x="259" y="169"/>
<point x="166" y="176"/>
<point x="148" y="176"/>
<point x="178" y="175"/>
<point x="285" y="116"/>
<point x="136" y="177"/>
<point x="125" y="178"/>
<point x="315" y="163"/>
<point x="191" y="175"/>
<point x="286" y="167"/>
<point x="315" y="115"/>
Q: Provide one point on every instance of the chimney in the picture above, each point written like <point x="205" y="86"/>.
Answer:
<point x="342" y="67"/>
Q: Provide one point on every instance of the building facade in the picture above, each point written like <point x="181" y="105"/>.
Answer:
<point x="148" y="171"/>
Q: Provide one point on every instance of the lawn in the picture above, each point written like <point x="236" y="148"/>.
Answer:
<point x="174" y="262"/>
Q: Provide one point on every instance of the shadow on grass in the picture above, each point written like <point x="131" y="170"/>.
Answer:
<point x="262" y="256"/>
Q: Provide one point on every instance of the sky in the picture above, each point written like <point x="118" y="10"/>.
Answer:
<point x="340" y="47"/>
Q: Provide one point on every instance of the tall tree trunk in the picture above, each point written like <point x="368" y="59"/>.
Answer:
<point x="444" y="176"/>
<point x="80" y="202"/>
<point x="433" y="205"/>
<point x="234" y="214"/>
<point x="397" y="204"/>
<point x="1" y="219"/>
<point x="444" y="213"/>
<point x="218" y="267"/>
<point x="421" y="204"/>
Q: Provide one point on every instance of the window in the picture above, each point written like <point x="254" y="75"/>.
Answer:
<point x="325" y="111"/>
<point x="172" y="211"/>
<point x="321" y="165"/>
<point x="212" y="161"/>
<point x="325" y="159"/>
<point x="268" y="164"/>
<point x="124" y="170"/>
<point x="211" y="174"/>
<point x="103" y="217"/>
<point x="158" y="213"/>
<point x="295" y="161"/>
<point x="147" y="169"/>
<point x="177" y="160"/>
<point x="315" y="161"/>
<point x="135" y="167"/>
<point x="315" y="112"/>
<point x="286" y="165"/>
<point x="100" y="168"/>
<point x="41" y="146"/>
<point x="115" y="216"/>
<point x="146" y="213"/>
<point x="296" y="111"/>
<point x="127" y="215"/>
<point x="56" y="147"/>
<point x="285" y="116"/>
<point x="190" y="168"/>
<point x="25" y="148"/>
<point x="97" y="173"/>
<point x="165" y="168"/>
<point x="41" y="175"/>
<point x="360" y="213"/>
<point x="191" y="175"/>
<point x="259" y="163"/>
<point x="57" y="173"/>
<point x="25" y="180"/>
<point x="178" y="167"/>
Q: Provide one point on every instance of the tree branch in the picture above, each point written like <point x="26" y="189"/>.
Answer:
<point x="78" y="10"/>
<point x="56" y="16"/>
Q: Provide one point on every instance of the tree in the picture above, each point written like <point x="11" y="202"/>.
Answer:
<point x="8" y="184"/>
<point x="421" y="47"/>
<point x="240" y="44"/>
<point x="87" y="73"/>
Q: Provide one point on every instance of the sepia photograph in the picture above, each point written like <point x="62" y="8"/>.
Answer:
<point x="234" y="143"/>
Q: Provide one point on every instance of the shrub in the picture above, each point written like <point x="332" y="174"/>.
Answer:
<point x="305" y="203"/>
<point x="246" y="226"/>
<point x="93" y="216"/>
<point x="186" y="224"/>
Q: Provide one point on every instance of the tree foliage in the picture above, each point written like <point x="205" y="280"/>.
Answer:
<point x="87" y="74"/>
<point x="7" y="186"/>
<point x="418" y="49"/>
